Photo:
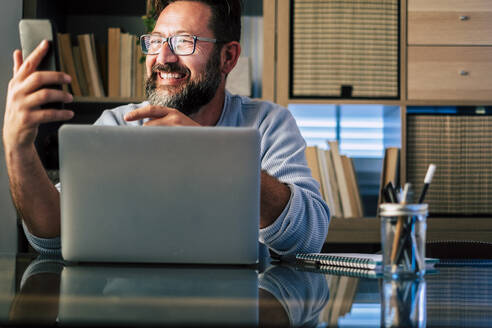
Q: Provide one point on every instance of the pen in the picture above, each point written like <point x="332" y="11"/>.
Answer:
<point x="427" y="181"/>
<point x="391" y="192"/>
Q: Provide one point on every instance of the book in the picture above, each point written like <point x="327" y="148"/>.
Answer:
<point x="348" y="260"/>
<point x="67" y="61"/>
<point x="113" y="62"/>
<point x="346" y="163"/>
<point x="85" y="64"/>
<point x="89" y="62"/>
<point x="137" y="72"/>
<point x="77" y="60"/>
<point x="341" y="180"/>
<point x="337" y="208"/>
<point x="355" y="200"/>
<point x="126" y="53"/>
<point x="325" y="179"/>
<point x="390" y="171"/>
<point x="313" y="163"/>
<point x="94" y="66"/>
<point x="141" y="74"/>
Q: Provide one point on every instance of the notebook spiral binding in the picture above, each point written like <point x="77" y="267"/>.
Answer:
<point x="338" y="261"/>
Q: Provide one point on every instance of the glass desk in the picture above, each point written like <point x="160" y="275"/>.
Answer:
<point x="46" y="292"/>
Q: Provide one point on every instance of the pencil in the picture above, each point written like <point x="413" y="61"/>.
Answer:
<point x="399" y="225"/>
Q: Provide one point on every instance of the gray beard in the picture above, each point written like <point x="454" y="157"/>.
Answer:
<point x="193" y="96"/>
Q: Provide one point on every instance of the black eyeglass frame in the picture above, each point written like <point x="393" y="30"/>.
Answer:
<point x="169" y="42"/>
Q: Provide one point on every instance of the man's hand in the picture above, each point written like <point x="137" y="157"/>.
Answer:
<point x="26" y="93"/>
<point x="160" y="116"/>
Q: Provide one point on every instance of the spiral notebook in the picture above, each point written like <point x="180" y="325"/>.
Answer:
<point x="373" y="262"/>
<point x="350" y="260"/>
<point x="341" y="271"/>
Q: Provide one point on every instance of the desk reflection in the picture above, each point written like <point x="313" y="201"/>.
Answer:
<point x="51" y="293"/>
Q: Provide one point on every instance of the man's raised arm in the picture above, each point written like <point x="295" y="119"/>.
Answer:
<point x="34" y="196"/>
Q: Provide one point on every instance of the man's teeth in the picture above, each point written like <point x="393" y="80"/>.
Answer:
<point x="167" y="76"/>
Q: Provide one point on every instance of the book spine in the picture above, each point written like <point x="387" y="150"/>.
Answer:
<point x="114" y="62"/>
<point x="84" y="50"/>
<point x="65" y="45"/>
<point x="77" y="59"/>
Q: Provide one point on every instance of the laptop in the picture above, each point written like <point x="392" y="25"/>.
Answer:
<point x="159" y="194"/>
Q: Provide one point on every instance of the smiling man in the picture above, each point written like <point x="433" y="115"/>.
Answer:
<point x="193" y="47"/>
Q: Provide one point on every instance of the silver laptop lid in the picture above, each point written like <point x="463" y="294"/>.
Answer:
<point x="159" y="194"/>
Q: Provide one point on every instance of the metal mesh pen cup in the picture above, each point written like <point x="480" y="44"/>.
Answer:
<point x="403" y="230"/>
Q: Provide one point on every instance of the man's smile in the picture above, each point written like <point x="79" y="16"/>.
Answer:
<point x="171" y="78"/>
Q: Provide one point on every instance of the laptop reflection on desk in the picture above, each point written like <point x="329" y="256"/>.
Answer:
<point x="158" y="296"/>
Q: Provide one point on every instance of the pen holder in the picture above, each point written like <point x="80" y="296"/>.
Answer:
<point x="403" y="230"/>
<point x="403" y="303"/>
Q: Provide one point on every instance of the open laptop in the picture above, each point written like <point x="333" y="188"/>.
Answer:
<point x="159" y="194"/>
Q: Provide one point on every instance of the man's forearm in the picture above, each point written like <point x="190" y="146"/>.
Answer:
<point x="34" y="196"/>
<point x="274" y="197"/>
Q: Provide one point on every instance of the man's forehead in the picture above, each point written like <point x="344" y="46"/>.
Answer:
<point x="184" y="17"/>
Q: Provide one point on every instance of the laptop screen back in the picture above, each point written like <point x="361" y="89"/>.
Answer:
<point x="159" y="194"/>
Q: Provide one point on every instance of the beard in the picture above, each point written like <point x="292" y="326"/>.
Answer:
<point x="190" y="97"/>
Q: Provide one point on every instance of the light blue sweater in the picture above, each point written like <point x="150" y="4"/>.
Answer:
<point x="303" y="225"/>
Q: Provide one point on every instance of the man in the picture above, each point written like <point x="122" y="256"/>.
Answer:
<point x="193" y="47"/>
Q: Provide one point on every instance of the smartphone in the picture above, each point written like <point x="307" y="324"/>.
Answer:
<point x="32" y="32"/>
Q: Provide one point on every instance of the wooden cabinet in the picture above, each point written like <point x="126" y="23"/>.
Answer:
<point x="449" y="54"/>
<point x="450" y="73"/>
<point x="445" y="59"/>
<point x="445" y="22"/>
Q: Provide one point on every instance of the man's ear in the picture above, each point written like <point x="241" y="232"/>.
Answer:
<point x="229" y="55"/>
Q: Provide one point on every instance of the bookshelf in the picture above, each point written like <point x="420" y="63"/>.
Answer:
<point x="95" y="17"/>
<point x="461" y="30"/>
<point x="92" y="17"/>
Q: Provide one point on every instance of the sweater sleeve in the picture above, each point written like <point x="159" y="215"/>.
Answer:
<point x="303" y="225"/>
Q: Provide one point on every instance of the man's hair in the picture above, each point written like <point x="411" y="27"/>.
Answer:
<point x="225" y="21"/>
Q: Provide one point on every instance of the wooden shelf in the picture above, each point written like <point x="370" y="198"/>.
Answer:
<point x="361" y="230"/>
<point x="447" y="103"/>
<point x="396" y="102"/>
<point x="367" y="230"/>
<point x="107" y="100"/>
<point x="338" y="101"/>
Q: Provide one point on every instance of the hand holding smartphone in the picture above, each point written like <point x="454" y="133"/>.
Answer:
<point x="34" y="96"/>
<point x="32" y="32"/>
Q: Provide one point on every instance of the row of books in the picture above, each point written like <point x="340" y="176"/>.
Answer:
<point x="115" y="70"/>
<point x="337" y="179"/>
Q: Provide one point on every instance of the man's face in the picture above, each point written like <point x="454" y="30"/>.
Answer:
<point x="185" y="83"/>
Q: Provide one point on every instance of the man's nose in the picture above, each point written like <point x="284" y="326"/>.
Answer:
<point x="166" y="55"/>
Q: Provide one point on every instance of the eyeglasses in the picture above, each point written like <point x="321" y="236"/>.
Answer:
<point x="181" y="45"/>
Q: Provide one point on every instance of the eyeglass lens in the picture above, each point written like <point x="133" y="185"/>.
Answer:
<point x="179" y="44"/>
